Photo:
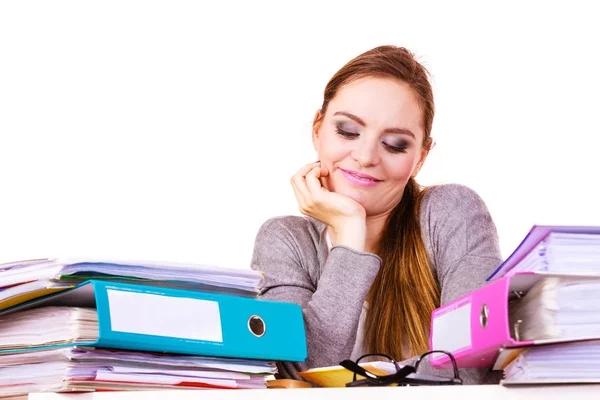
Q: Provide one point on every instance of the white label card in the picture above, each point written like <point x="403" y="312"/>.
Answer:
<point x="152" y="314"/>
<point x="452" y="330"/>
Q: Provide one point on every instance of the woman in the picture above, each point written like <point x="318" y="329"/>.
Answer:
<point x="375" y="254"/>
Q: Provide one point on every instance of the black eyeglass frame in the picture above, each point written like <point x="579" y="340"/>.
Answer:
<point x="404" y="376"/>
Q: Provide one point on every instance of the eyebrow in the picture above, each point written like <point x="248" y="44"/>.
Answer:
<point x="402" y="131"/>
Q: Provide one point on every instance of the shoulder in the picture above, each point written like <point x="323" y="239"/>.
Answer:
<point x="450" y="204"/>
<point x="456" y="223"/>
<point x="450" y="198"/>
<point x="287" y="249"/>
<point x="291" y="224"/>
<point x="445" y="207"/>
<point x="296" y="231"/>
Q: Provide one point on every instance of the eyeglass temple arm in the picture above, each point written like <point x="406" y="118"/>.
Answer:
<point x="454" y="366"/>
<point x="357" y="369"/>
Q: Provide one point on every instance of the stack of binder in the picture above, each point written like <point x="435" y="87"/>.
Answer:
<point x="538" y="318"/>
<point x="114" y="325"/>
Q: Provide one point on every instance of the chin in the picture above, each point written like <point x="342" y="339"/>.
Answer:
<point x="362" y="196"/>
<point x="372" y="202"/>
<point x="357" y="196"/>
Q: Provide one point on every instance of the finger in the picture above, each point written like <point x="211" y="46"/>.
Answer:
<point x="323" y="178"/>
<point x="306" y="169"/>
<point x="313" y="183"/>
<point x="299" y="199"/>
<point x="298" y="180"/>
<point x="299" y="184"/>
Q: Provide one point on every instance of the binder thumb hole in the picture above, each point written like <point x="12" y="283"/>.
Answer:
<point x="257" y="326"/>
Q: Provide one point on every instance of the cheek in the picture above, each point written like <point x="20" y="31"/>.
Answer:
<point x="331" y="154"/>
<point x="331" y="151"/>
<point x="400" y="170"/>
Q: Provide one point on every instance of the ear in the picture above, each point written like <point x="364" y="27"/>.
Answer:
<point x="315" y="130"/>
<point x="424" y="154"/>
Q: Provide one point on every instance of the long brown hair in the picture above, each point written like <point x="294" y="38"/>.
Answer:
<point x="404" y="292"/>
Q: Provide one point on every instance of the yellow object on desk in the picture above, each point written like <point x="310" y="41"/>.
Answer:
<point x="338" y="376"/>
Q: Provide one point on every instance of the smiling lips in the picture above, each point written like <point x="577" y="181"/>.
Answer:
<point x="360" y="179"/>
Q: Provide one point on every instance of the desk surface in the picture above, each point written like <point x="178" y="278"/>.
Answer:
<point x="486" y="392"/>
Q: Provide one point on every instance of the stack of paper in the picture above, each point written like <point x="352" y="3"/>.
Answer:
<point x="86" y="369"/>
<point x="53" y="269"/>
<point x="22" y="281"/>
<point x="555" y="326"/>
<point x="575" y="362"/>
<point x="48" y="326"/>
<point x="571" y="253"/>
<point x="85" y="325"/>
<point x="573" y="250"/>
<point x="558" y="308"/>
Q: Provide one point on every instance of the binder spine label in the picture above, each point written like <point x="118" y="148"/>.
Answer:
<point x="451" y="330"/>
<point x="166" y="316"/>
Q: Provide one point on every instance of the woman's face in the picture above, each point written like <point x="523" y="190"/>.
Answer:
<point x="370" y="140"/>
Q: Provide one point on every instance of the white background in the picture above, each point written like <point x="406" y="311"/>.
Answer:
<point x="168" y="130"/>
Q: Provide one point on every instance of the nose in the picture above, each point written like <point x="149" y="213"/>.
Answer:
<point x="366" y="153"/>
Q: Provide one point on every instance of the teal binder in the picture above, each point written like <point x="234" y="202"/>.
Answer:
<point x="138" y="317"/>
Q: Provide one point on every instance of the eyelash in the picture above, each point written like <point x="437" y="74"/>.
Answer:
<point x="345" y="133"/>
<point x="390" y="148"/>
<point x="396" y="149"/>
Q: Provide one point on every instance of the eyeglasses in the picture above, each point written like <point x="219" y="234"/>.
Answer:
<point x="404" y="376"/>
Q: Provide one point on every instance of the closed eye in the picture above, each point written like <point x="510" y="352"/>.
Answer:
<point x="400" y="148"/>
<point x="396" y="149"/>
<point x="346" y="134"/>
